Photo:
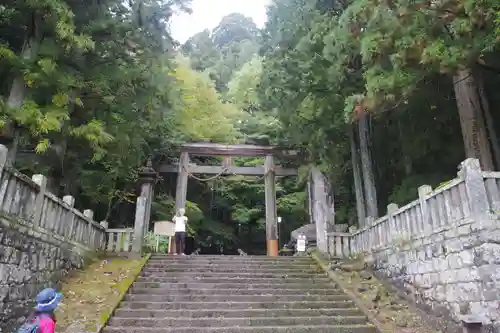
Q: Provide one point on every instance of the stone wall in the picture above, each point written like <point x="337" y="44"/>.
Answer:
<point x="29" y="262"/>
<point x="451" y="273"/>
<point x="41" y="238"/>
<point x="443" y="249"/>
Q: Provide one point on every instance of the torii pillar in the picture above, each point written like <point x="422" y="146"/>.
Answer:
<point x="182" y="181"/>
<point x="270" y="195"/>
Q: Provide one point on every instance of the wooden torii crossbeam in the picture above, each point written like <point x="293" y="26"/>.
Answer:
<point x="268" y="170"/>
<point x="217" y="149"/>
<point x="216" y="170"/>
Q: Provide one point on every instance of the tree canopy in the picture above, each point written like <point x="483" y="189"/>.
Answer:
<point x="384" y="96"/>
<point x="394" y="82"/>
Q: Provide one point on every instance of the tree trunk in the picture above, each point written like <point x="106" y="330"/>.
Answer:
<point x="358" y="181"/>
<point x="407" y="161"/>
<point x="18" y="89"/>
<point x="60" y="147"/>
<point x="367" y="167"/>
<point x="490" y="123"/>
<point x="471" y="111"/>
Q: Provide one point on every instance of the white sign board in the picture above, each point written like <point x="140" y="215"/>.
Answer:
<point x="164" y="228"/>
<point x="301" y="243"/>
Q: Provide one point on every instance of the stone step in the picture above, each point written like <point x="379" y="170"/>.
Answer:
<point x="225" y="322"/>
<point x="204" y="263"/>
<point x="235" y="258"/>
<point x="201" y="268"/>
<point x="233" y="269"/>
<point x="165" y="278"/>
<point x="234" y="313"/>
<point x="230" y="294"/>
<point x="226" y="261"/>
<point x="235" y="291"/>
<point x="163" y="263"/>
<point x="243" y="305"/>
<point x="233" y="285"/>
<point x="233" y="274"/>
<point x="262" y="329"/>
<point x="233" y="298"/>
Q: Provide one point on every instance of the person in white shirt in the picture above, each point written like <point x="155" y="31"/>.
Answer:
<point x="180" y="231"/>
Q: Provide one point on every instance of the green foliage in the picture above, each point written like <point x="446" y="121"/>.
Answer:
<point x="224" y="50"/>
<point x="151" y="241"/>
<point x="399" y="43"/>
<point x="203" y="116"/>
<point x="242" y="89"/>
<point x="322" y="60"/>
<point x="235" y="212"/>
<point x="163" y="208"/>
<point x="89" y="90"/>
<point x="94" y="97"/>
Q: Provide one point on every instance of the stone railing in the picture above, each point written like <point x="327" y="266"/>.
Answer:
<point x="119" y="240"/>
<point x="492" y="183"/>
<point x="42" y="237"/>
<point x="442" y="249"/>
<point x="434" y="209"/>
<point x="339" y="244"/>
<point x="128" y="240"/>
<point x="28" y="202"/>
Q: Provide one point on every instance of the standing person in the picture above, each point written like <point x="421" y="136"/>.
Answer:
<point x="43" y="319"/>
<point x="180" y="231"/>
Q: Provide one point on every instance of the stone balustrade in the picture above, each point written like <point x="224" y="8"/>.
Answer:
<point x="120" y="240"/>
<point x="442" y="249"/>
<point x="41" y="238"/>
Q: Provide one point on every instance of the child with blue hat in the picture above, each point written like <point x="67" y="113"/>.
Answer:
<point x="43" y="320"/>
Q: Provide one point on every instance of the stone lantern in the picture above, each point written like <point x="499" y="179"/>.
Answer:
<point x="147" y="179"/>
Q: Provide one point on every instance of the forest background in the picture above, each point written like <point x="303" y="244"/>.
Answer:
<point x="383" y="96"/>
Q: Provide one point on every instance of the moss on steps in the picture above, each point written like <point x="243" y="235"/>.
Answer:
<point x="389" y="313"/>
<point x="91" y="295"/>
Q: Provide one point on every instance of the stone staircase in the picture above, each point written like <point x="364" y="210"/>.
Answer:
<point x="228" y="294"/>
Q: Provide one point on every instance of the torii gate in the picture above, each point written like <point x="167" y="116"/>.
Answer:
<point x="269" y="170"/>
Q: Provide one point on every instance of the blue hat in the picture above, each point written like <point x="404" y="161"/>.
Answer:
<point x="47" y="300"/>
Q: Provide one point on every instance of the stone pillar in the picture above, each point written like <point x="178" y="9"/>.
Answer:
<point x="424" y="208"/>
<point x="391" y="223"/>
<point x="70" y="217"/>
<point x="140" y="212"/>
<point x="147" y="178"/>
<point x="41" y="180"/>
<point x="69" y="200"/>
<point x="270" y="194"/>
<point x="475" y="188"/>
<point x="104" y="224"/>
<point x="182" y="181"/>
<point x="104" y="238"/>
<point x="369" y="222"/>
<point x="89" y="214"/>
<point x="3" y="158"/>
<point x="323" y="209"/>
<point x="310" y="199"/>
